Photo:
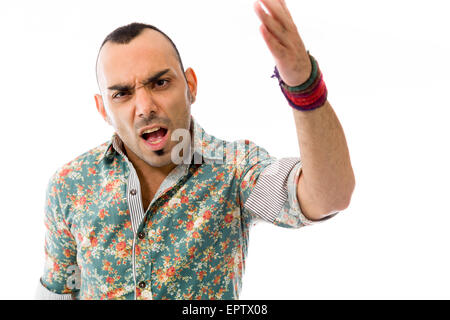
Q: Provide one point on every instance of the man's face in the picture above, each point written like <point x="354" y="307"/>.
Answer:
<point x="143" y="88"/>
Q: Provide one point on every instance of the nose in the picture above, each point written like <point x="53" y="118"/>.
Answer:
<point x="145" y="103"/>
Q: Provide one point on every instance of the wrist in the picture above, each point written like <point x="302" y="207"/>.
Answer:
<point x="304" y="73"/>
<point x="309" y="95"/>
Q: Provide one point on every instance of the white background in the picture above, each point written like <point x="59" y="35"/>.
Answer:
<point x="387" y="70"/>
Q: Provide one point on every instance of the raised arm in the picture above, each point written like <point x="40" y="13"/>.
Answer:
<point x="327" y="181"/>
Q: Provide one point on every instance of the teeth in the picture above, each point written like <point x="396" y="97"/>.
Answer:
<point x="151" y="130"/>
<point x="155" y="142"/>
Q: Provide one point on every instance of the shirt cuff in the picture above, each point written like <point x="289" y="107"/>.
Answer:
<point x="274" y="197"/>
<point x="291" y="214"/>
<point x="270" y="193"/>
<point x="42" y="293"/>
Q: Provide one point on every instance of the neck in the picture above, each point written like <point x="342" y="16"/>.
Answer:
<point x="144" y="169"/>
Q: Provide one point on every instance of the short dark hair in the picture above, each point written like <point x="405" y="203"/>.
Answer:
<point x="124" y="35"/>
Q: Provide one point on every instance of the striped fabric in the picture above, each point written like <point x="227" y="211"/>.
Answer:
<point x="133" y="189"/>
<point x="271" y="190"/>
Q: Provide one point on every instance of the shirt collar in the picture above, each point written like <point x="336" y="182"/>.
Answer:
<point x="204" y="145"/>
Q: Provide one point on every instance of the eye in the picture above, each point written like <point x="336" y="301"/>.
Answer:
<point x="119" y="94"/>
<point x="161" y="83"/>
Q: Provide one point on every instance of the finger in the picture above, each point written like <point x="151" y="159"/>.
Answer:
<point x="271" y="24"/>
<point x="277" y="12"/>
<point x="289" y="21"/>
<point x="275" y="47"/>
<point x="286" y="10"/>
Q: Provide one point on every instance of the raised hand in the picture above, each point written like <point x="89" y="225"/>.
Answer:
<point x="284" y="42"/>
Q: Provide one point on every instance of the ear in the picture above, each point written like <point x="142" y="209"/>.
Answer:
<point x="192" y="83"/>
<point x="101" y="108"/>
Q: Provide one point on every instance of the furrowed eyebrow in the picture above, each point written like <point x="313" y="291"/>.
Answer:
<point x="153" y="78"/>
<point x="156" y="76"/>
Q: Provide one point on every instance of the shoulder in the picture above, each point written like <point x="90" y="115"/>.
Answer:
<point x="237" y="156"/>
<point x="84" y="163"/>
<point x="236" y="153"/>
<point x="244" y="152"/>
<point x="219" y="150"/>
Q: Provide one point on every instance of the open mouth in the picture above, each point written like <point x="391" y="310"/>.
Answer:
<point x="155" y="137"/>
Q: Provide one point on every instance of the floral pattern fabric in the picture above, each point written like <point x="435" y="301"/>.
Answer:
<point x="191" y="242"/>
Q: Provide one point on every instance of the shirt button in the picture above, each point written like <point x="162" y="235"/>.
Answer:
<point x="141" y="235"/>
<point x="133" y="192"/>
<point x="142" y="284"/>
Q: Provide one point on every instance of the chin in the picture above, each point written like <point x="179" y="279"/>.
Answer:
<point x="157" y="160"/>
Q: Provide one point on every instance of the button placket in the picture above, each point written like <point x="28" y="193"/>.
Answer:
<point x="136" y="215"/>
<point x="146" y="292"/>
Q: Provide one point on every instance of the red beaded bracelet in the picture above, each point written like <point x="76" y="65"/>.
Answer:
<point x="310" y="95"/>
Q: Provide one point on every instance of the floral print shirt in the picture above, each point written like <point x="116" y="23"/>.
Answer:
<point x="192" y="240"/>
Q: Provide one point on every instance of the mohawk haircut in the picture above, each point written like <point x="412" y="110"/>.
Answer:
<point x="124" y="35"/>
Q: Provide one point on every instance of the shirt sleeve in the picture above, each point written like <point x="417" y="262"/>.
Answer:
<point x="60" y="279"/>
<point x="269" y="190"/>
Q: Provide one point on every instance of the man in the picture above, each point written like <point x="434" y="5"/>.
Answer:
<point x="163" y="210"/>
